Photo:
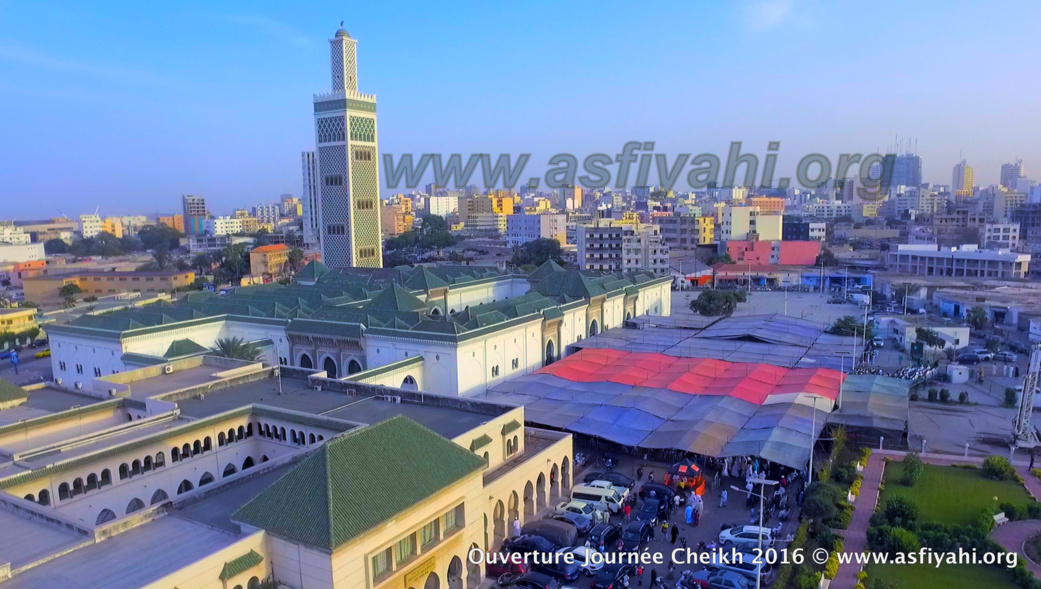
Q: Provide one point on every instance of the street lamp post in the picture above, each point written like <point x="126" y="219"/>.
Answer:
<point x="762" y="500"/>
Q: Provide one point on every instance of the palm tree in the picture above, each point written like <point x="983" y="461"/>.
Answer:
<point x="977" y="317"/>
<point x="238" y="349"/>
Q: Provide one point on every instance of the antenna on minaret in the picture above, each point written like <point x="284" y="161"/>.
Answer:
<point x="341" y="24"/>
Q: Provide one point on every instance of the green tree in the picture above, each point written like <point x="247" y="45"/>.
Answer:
<point x="913" y="469"/>
<point x="68" y="294"/>
<point x="537" y="252"/>
<point x="713" y="303"/>
<point x="720" y="259"/>
<point x="155" y="237"/>
<point x="826" y="258"/>
<point x="295" y="259"/>
<point x="55" y="246"/>
<point x="202" y="263"/>
<point x="993" y="344"/>
<point x="434" y="223"/>
<point x="849" y="325"/>
<point x="238" y="349"/>
<point x="1011" y="397"/>
<point x="929" y="337"/>
<point x="977" y="317"/>
<point x="234" y="264"/>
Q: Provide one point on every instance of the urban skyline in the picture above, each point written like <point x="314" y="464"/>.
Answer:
<point x="251" y="152"/>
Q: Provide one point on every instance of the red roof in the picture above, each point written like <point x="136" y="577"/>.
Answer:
<point x="278" y="247"/>
<point x="750" y="382"/>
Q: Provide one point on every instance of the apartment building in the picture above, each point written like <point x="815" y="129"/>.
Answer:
<point x="830" y="209"/>
<point x="608" y="246"/>
<point x="1001" y="235"/>
<point x="747" y="223"/>
<point x="964" y="261"/>
<point x="686" y="231"/>
<point x="45" y="289"/>
<point x="521" y="229"/>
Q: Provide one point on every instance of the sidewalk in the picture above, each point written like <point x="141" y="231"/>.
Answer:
<point x="856" y="534"/>
<point x="1014" y="535"/>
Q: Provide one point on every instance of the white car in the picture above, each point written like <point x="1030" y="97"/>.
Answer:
<point x="623" y="492"/>
<point x="746" y="536"/>
<point x="579" y="507"/>
<point x="983" y="354"/>
<point x="583" y="555"/>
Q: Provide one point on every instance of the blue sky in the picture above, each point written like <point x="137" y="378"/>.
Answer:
<point x="129" y="105"/>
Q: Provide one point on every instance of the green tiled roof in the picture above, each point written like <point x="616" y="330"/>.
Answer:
<point x="183" y="347"/>
<point x="11" y="392"/>
<point x="509" y="427"/>
<point x="358" y="481"/>
<point x="311" y="272"/>
<point x="480" y="442"/>
<point x="240" y="565"/>
<point x="396" y="298"/>
<point x="424" y="279"/>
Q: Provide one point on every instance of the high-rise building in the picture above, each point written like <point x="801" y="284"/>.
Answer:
<point x="291" y="206"/>
<point x="573" y="194"/>
<point x="347" y="164"/>
<point x="269" y="213"/>
<point x="90" y="226"/>
<point x="195" y="214"/>
<point x="907" y="170"/>
<point x="961" y="182"/>
<point x="1011" y="173"/>
<point x="312" y="236"/>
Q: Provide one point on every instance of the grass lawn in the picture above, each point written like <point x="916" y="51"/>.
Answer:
<point x="950" y="495"/>
<point x="955" y="576"/>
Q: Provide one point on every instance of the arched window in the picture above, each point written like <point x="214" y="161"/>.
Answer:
<point x="241" y="433"/>
<point x="124" y="472"/>
<point x="106" y="478"/>
<point x="30" y="497"/>
<point x="249" y="430"/>
<point x="353" y="367"/>
<point x="196" y="448"/>
<point x="135" y="468"/>
<point x="186" y="451"/>
<point x="160" y="460"/>
<point x="330" y="367"/>
<point x="310" y="439"/>
<point x="146" y="464"/>
<point x="205" y="479"/>
<point x="175" y="454"/>
<point x="267" y="430"/>
<point x="254" y="583"/>
<point x="247" y="463"/>
<point x="45" y="497"/>
<point x="264" y="458"/>
<point x="409" y="384"/>
<point x="220" y="439"/>
<point x="106" y="515"/>
<point x="282" y="433"/>
<point x="305" y="361"/>
<point x="207" y="444"/>
<point x="229" y="470"/>
<point x="184" y="487"/>
<point x="135" y="505"/>
<point x="320" y="437"/>
<point x="292" y="435"/>
<point x="92" y="482"/>
<point x="231" y="435"/>
<point x="159" y="496"/>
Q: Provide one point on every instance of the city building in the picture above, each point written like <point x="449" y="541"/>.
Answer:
<point x="26" y="252"/>
<point x="45" y="289"/>
<point x="213" y="243"/>
<point x="312" y="233"/>
<point x="485" y="224"/>
<point x="268" y="213"/>
<point x="269" y="261"/>
<point x="396" y="219"/>
<point x="571" y="197"/>
<point x="292" y="206"/>
<point x="768" y="205"/>
<point x="521" y="229"/>
<point x="686" y="231"/>
<point x="786" y="253"/>
<point x="830" y="209"/>
<point x="57" y="228"/>
<point x="442" y="206"/>
<point x="195" y="214"/>
<point x="173" y="222"/>
<point x="90" y="226"/>
<point x="618" y="247"/>
<point x="223" y="225"/>
<point x="965" y="261"/>
<point x="747" y="223"/>
<point x="961" y="182"/>
<point x="904" y="331"/>
<point x="13" y="235"/>
<point x="113" y="226"/>
<point x="794" y="229"/>
<point x="348" y="164"/>
<point x="1011" y="174"/>
<point x="1000" y="235"/>
<point x="17" y="320"/>
<point x="907" y="170"/>
<point x="470" y="325"/>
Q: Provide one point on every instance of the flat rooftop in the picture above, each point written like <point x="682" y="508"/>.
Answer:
<point x="132" y="559"/>
<point x="447" y="421"/>
<point x="44" y="402"/>
<point x="179" y="379"/>
<point x="296" y="395"/>
<point x="215" y="510"/>
<point x="100" y="443"/>
<point x="26" y="541"/>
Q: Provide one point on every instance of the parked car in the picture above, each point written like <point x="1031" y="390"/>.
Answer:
<point x="559" y="533"/>
<point x="517" y="566"/>
<point x="558" y="569"/>
<point x="44" y="353"/>
<point x="605" y="536"/>
<point x="579" y="507"/>
<point x="984" y="354"/>
<point x="652" y="510"/>
<point x="622" y="490"/>
<point x="530" y="580"/>
<point x="746" y="536"/>
<point x="1018" y="347"/>
<point x="970" y="359"/>
<point x="585" y="555"/>
<point x="611" y="576"/>
<point x="1006" y="357"/>
<point x="528" y="543"/>
<point x="582" y="523"/>
<point x="836" y="301"/>
<point x="878" y="342"/>
<point x="747" y="565"/>
<point x="636" y="536"/>
<point x="709" y="579"/>
<point x="660" y="492"/>
<point x="611" y="476"/>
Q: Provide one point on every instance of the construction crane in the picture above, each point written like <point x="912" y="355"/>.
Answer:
<point x="1024" y="434"/>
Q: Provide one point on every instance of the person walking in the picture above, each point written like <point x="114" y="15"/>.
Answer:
<point x="654" y="578"/>
<point x="516" y="526"/>
<point x="639" y="473"/>
<point x="674" y="533"/>
<point x="723" y="498"/>
<point x="628" y="512"/>
<point x="639" y="575"/>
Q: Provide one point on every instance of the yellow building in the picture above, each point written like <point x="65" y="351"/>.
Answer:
<point x="768" y="205"/>
<point x="17" y="320"/>
<point x="113" y="226"/>
<point x="45" y="289"/>
<point x="173" y="222"/>
<point x="706" y="230"/>
<point x="268" y="260"/>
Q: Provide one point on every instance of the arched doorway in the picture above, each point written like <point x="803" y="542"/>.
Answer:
<point x="554" y="482"/>
<point x="206" y="479"/>
<point x="135" y="505"/>
<point x="473" y="572"/>
<point x="628" y="315"/>
<point x="106" y="515"/>
<point x="498" y="524"/>
<point x="455" y="573"/>
<point x="409" y="384"/>
<point x="305" y="361"/>
<point x="159" y="496"/>
<point x="433" y="582"/>
<point x="330" y="367"/>
<point x="229" y="470"/>
<point x="592" y="328"/>
<point x="514" y="507"/>
<point x="184" y="487"/>
<point x="550" y="353"/>
<point x="529" y="501"/>
<point x="248" y="462"/>
<point x="565" y="476"/>
<point x="540" y="488"/>
<point x="353" y="367"/>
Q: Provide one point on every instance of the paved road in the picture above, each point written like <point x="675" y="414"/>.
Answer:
<point x="31" y="370"/>
<point x="1013" y="537"/>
